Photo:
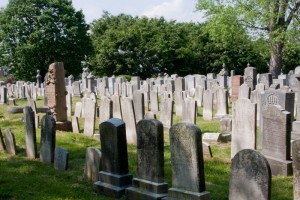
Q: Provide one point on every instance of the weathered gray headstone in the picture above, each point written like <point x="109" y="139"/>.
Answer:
<point x="178" y="97"/>
<point x="250" y="176"/>
<point x="189" y="110"/>
<point x="265" y="79"/>
<point x="188" y="181"/>
<point x="89" y="117"/>
<point x="243" y="126"/>
<point x="105" y="109"/>
<point x="114" y="177"/>
<point x="48" y="137"/>
<point x="199" y="95"/>
<point x="208" y="105"/>
<point x="222" y="103"/>
<point x="129" y="119"/>
<point x="138" y="104"/>
<point x="166" y="112"/>
<point x="154" y="102"/>
<point x="75" y="124"/>
<point x="250" y="76"/>
<point x="10" y="142"/>
<point x="244" y="91"/>
<point x="149" y="183"/>
<point x="2" y="144"/>
<point x="30" y="133"/>
<point x="296" y="168"/>
<point x="78" y="108"/>
<point x="61" y="158"/>
<point x="69" y="104"/>
<point x="92" y="165"/>
<point x="116" y="107"/>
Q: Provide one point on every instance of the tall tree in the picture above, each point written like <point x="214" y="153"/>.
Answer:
<point x="272" y="18"/>
<point x="35" y="33"/>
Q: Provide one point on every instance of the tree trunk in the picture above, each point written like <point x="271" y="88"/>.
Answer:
<point x="276" y="59"/>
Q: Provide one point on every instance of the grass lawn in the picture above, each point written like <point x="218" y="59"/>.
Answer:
<point x="23" y="178"/>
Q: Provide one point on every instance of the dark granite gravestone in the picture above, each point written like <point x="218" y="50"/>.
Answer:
<point x="2" y="144"/>
<point x="30" y="132"/>
<point x="47" y="139"/>
<point x="149" y="183"/>
<point x="61" y="158"/>
<point x="250" y="176"/>
<point x="114" y="177"/>
<point x="276" y="140"/>
<point x="92" y="163"/>
<point x="188" y="181"/>
<point x="296" y="168"/>
<point x="10" y="142"/>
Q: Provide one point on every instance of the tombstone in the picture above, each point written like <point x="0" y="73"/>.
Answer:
<point x="114" y="177"/>
<point x="56" y="95"/>
<point x="243" y="126"/>
<point x="30" y="132"/>
<point x="75" y="125"/>
<point x="3" y="95"/>
<point x="188" y="181"/>
<point x="178" y="97"/>
<point x="138" y="104"/>
<point x="32" y="104"/>
<point x="150" y="115"/>
<point x="78" y="109"/>
<point x="154" y="102"/>
<point x="149" y="183"/>
<point x="250" y="74"/>
<point x="76" y="89"/>
<point x="48" y="137"/>
<point x="69" y="104"/>
<point x="211" y="137"/>
<point x="250" y="176"/>
<point x="296" y="168"/>
<point x="92" y="165"/>
<point x="236" y="82"/>
<point x="89" y="117"/>
<point x="105" y="109"/>
<point x="189" y="110"/>
<point x="199" y="95"/>
<point x="61" y="158"/>
<point x="2" y="144"/>
<point x="266" y="79"/>
<point x="90" y="83"/>
<point x="10" y="142"/>
<point x="116" y="107"/>
<point x="129" y="119"/>
<point x="244" y="91"/>
<point x="207" y="105"/>
<point x="276" y="140"/>
<point x="226" y="124"/>
<point x="206" y="150"/>
<point x="166" y="113"/>
<point x="222" y="103"/>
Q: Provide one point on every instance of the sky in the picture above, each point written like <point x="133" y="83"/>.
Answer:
<point x="179" y="10"/>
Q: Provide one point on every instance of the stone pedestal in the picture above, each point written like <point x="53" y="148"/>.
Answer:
<point x="280" y="167"/>
<point x="64" y="126"/>
<point x="112" y="185"/>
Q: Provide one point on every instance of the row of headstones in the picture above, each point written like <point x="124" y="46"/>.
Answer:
<point x="250" y="171"/>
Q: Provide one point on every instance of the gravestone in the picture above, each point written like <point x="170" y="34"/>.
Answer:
<point x="250" y="74"/>
<point x="207" y="105"/>
<point x="179" y="84"/>
<point x="154" y="102"/>
<point x="206" y="150"/>
<point x="69" y="104"/>
<point x="189" y="110"/>
<point x="3" y="95"/>
<point x="244" y="91"/>
<point x="48" y="137"/>
<point x="78" y="109"/>
<point x="10" y="142"/>
<point x="114" y="177"/>
<point x="2" y="144"/>
<point x="116" y="107"/>
<point x="138" y="104"/>
<point x="188" y="181"/>
<point x="178" y="97"/>
<point x="105" y="112"/>
<point x="166" y="113"/>
<point x="56" y="95"/>
<point x="243" y="126"/>
<point x="222" y="103"/>
<point x="236" y="82"/>
<point x="75" y="125"/>
<point x="129" y="119"/>
<point x="61" y="158"/>
<point x="276" y="140"/>
<point x="250" y="176"/>
<point x="92" y="165"/>
<point x="265" y="79"/>
<point x="76" y="89"/>
<point x="30" y="132"/>
<point x="199" y="95"/>
<point x="296" y="168"/>
<point x="89" y="117"/>
<point x="149" y="183"/>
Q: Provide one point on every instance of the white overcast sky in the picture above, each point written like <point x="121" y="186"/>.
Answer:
<point x="179" y="10"/>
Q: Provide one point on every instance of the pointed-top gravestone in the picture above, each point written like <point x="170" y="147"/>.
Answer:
<point x="10" y="142"/>
<point x="250" y="176"/>
<point x="30" y="132"/>
<point x="149" y="183"/>
<point x="114" y="177"/>
<point x="47" y="139"/>
<point x="188" y="181"/>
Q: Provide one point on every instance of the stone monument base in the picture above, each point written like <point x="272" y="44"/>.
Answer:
<point x="64" y="126"/>
<point x="175" y="194"/>
<point x="146" y="190"/>
<point x="280" y="167"/>
<point x="112" y="185"/>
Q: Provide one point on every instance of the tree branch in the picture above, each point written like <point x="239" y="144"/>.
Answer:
<point x="292" y="13"/>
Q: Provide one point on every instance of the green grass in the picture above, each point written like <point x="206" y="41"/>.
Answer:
<point x="22" y="178"/>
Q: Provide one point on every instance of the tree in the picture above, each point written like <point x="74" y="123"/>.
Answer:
<point x="35" y="33"/>
<point x="274" y="19"/>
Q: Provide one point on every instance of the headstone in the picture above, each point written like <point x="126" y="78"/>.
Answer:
<point x="154" y="102"/>
<point x="189" y="110"/>
<point x="250" y="74"/>
<point x="129" y="119"/>
<point x="76" y="89"/>
<point x="3" y="95"/>
<point x="138" y="104"/>
<point x="266" y="79"/>
<point x="69" y="104"/>
<point x="199" y="95"/>
<point x="222" y="103"/>
<point x="75" y="124"/>
<point x="56" y="95"/>
<point x="296" y="168"/>
<point x="2" y="144"/>
<point x="10" y="142"/>
<point x="250" y="176"/>
<point x="236" y="82"/>
<point x="179" y="84"/>
<point x="188" y="181"/>
<point x="105" y="109"/>
<point x="92" y="165"/>
<point x="48" y="137"/>
<point x="166" y="113"/>
<point x="276" y="140"/>
<point x="207" y="105"/>
<point x="61" y="158"/>
<point x="149" y="183"/>
<point x="78" y="108"/>
<point x="244" y="91"/>
<point x="89" y="117"/>
<point x="116" y="107"/>
<point x="30" y="132"/>
<point x="207" y="150"/>
<point x="211" y="137"/>
<point x="243" y="126"/>
<point x="114" y="177"/>
<point x="178" y="97"/>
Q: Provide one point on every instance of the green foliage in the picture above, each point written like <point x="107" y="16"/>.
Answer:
<point x="35" y="33"/>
